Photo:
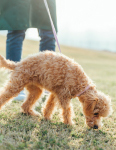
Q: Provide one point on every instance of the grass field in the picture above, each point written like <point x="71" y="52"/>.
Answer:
<point x="21" y="132"/>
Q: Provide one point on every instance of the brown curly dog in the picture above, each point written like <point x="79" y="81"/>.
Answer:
<point x="64" y="78"/>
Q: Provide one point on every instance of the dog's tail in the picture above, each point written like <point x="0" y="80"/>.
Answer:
<point x="7" y="63"/>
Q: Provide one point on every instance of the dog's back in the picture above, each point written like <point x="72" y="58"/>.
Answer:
<point x="50" y="69"/>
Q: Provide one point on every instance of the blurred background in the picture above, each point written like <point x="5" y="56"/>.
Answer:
<point x="87" y="24"/>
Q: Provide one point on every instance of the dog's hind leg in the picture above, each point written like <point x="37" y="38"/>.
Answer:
<point x="11" y="90"/>
<point x="49" y="106"/>
<point x="33" y="95"/>
<point x="67" y="111"/>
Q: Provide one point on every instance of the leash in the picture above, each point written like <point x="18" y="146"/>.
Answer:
<point x="83" y="91"/>
<point x="55" y="36"/>
<point x="53" y="28"/>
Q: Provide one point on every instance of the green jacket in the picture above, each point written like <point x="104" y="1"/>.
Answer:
<point x="23" y="14"/>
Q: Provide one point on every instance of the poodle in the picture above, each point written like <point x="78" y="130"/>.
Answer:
<point x="63" y="78"/>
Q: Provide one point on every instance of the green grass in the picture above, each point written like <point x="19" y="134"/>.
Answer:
<point x="21" y="132"/>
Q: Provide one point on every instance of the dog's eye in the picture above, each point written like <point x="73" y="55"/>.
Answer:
<point x="95" y="114"/>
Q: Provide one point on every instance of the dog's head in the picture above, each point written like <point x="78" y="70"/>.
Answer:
<point x="96" y="106"/>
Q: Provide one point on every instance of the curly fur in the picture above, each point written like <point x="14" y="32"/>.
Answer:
<point x="64" y="78"/>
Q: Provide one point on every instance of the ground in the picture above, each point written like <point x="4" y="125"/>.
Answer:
<point x="18" y="131"/>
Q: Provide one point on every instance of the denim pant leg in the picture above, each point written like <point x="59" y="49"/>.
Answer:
<point x="47" y="41"/>
<point x="14" y="44"/>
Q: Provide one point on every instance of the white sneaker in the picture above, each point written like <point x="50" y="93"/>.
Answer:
<point x="20" y="97"/>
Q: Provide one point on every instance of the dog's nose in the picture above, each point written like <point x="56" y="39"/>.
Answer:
<point x="95" y="127"/>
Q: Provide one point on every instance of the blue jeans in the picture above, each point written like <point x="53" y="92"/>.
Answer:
<point x="14" y="43"/>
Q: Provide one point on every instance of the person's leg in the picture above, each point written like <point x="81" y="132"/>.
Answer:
<point x="47" y="41"/>
<point x="14" y="45"/>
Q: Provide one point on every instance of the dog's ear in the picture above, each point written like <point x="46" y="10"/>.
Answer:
<point x="88" y="107"/>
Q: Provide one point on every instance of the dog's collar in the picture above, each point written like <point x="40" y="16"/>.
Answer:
<point x="83" y="91"/>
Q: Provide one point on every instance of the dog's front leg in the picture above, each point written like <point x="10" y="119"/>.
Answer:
<point x="49" y="106"/>
<point x="67" y="111"/>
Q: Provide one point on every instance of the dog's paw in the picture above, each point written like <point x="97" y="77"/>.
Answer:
<point x="47" y="118"/>
<point x="72" y="123"/>
<point x="32" y="113"/>
<point x="68" y="122"/>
